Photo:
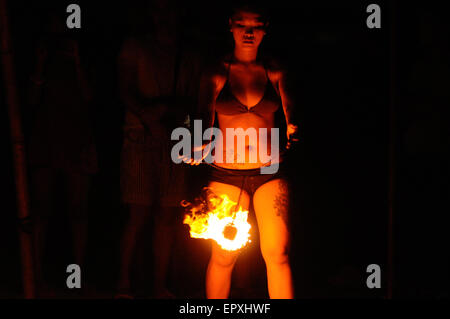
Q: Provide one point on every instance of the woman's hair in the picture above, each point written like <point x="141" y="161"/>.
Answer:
<point x="250" y="6"/>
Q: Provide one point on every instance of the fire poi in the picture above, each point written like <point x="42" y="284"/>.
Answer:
<point x="220" y="219"/>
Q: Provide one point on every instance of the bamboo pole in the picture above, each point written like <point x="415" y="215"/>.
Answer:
<point x="18" y="150"/>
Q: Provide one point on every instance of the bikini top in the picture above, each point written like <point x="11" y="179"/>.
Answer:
<point x="228" y="104"/>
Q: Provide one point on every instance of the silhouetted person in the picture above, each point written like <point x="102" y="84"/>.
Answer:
<point x="157" y="83"/>
<point x="61" y="144"/>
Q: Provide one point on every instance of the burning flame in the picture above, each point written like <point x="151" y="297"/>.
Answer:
<point x="217" y="218"/>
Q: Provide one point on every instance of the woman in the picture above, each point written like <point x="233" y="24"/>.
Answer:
<point x="245" y="92"/>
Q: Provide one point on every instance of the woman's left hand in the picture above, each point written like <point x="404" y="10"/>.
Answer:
<point x="292" y="135"/>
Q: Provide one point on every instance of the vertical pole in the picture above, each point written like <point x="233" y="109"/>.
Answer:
<point x="18" y="151"/>
<point x="392" y="145"/>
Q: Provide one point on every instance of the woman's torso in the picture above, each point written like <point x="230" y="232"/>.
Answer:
<point x="247" y="102"/>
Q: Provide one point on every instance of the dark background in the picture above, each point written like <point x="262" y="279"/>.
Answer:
<point x="340" y="169"/>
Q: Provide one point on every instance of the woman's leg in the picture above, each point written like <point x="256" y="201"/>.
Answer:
<point x="138" y="215"/>
<point x="138" y="182"/>
<point x="271" y="209"/>
<point x="220" y="267"/>
<point x="163" y="235"/>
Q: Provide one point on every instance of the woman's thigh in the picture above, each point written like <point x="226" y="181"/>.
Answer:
<point x="271" y="203"/>
<point x="219" y="255"/>
<point x="234" y="193"/>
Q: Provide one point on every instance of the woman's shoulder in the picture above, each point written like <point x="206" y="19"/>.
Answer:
<point x="275" y="67"/>
<point x="216" y="70"/>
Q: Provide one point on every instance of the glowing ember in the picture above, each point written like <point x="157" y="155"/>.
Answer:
<point x="217" y="218"/>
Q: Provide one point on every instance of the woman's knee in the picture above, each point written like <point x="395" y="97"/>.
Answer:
<point x="223" y="259"/>
<point x="275" y="254"/>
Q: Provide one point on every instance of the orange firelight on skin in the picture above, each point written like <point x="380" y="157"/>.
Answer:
<point x="221" y="222"/>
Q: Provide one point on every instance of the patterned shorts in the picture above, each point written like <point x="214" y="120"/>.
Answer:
<point x="147" y="174"/>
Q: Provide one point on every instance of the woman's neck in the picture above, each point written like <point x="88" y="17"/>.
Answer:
<point x="245" y="56"/>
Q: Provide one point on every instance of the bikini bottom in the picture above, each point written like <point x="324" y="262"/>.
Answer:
<point x="248" y="180"/>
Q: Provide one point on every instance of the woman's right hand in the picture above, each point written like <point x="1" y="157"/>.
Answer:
<point x="192" y="160"/>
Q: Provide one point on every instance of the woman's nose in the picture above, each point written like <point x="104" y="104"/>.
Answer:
<point x="249" y="31"/>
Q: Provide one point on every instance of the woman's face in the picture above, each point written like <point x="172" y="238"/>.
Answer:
<point x="248" y="29"/>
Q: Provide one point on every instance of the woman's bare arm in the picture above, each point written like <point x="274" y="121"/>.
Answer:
<point x="288" y="101"/>
<point x="127" y="70"/>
